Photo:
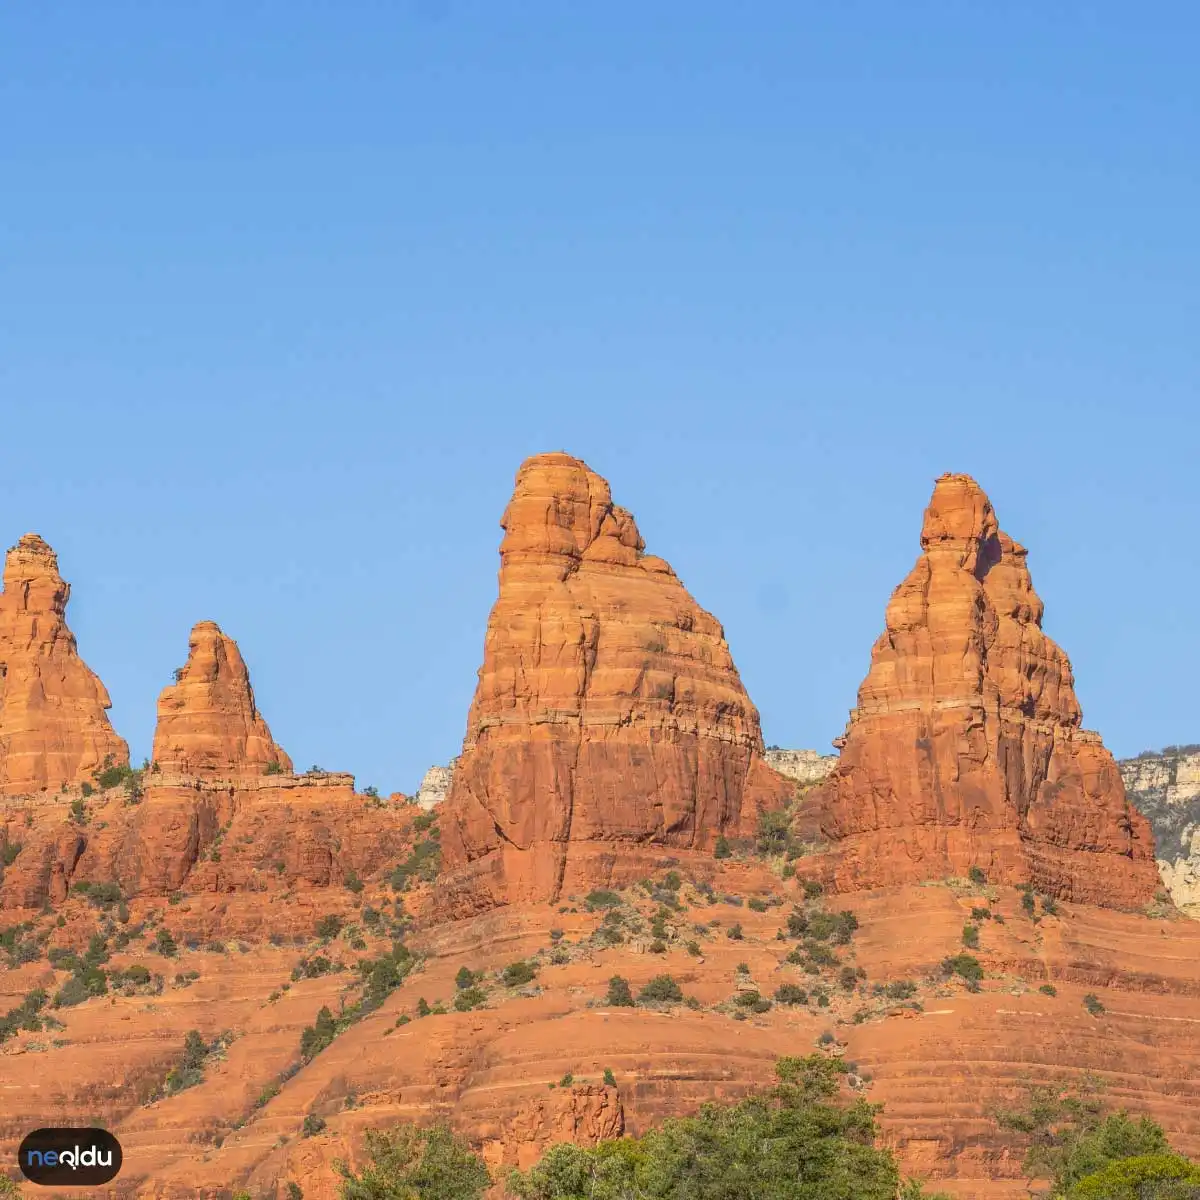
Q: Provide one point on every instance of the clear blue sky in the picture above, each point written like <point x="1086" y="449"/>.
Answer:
<point x="289" y="290"/>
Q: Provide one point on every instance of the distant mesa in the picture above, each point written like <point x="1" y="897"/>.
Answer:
<point x="609" y="722"/>
<point x="806" y="767"/>
<point x="208" y="723"/>
<point x="966" y="748"/>
<point x="54" y="727"/>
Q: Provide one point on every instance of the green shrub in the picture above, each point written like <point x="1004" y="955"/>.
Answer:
<point x="619" y="995"/>
<point x="970" y="937"/>
<point x="465" y="978"/>
<point x="901" y="989"/>
<point x="312" y="1125"/>
<point x="431" y="1163"/>
<point x="812" y="889"/>
<point x="981" y="914"/>
<point x="328" y="926"/>
<point x="1092" y="1003"/>
<point x="164" y="943"/>
<point x="610" y="1080"/>
<point x="518" y="973"/>
<point x="789" y="993"/>
<point x="189" y="1071"/>
<point x="1048" y="989"/>
<point x="353" y="882"/>
<point x="11" y="850"/>
<point x="977" y="876"/>
<point x="601" y="898"/>
<point x="756" y="905"/>
<point x="469" y="998"/>
<point x="423" y="864"/>
<point x="317" y="1036"/>
<point x="722" y="849"/>
<point x="662" y="989"/>
<point x="966" y="966"/>
<point x="734" y="932"/>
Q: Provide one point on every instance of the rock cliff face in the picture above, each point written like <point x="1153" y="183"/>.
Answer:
<point x="54" y="728"/>
<point x="208" y="723"/>
<point x="966" y="748"/>
<point x="609" y="717"/>
<point x="1166" y="788"/>
<point x="435" y="786"/>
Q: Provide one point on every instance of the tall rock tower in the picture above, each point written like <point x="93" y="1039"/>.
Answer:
<point x="208" y="723"/>
<point x="54" y="726"/>
<point x="966" y="748"/>
<point x="609" y="721"/>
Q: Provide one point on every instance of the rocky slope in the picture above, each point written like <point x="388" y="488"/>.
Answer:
<point x="609" y="718"/>
<point x="966" y="748"/>
<point x="1166" y="788"/>
<point x="54" y="727"/>
<point x="208" y="723"/>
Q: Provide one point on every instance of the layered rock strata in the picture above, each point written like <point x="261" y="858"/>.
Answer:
<point x="54" y="727"/>
<point x="966" y="748"/>
<point x="806" y="767"/>
<point x="609" y="720"/>
<point x="208" y="723"/>
<point x="1166" y="789"/>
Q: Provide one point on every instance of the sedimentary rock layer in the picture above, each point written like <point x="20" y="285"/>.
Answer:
<point x="609" y="718"/>
<point x="966" y="747"/>
<point x="54" y="727"/>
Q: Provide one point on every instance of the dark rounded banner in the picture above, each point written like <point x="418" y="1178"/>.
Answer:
<point x="69" y="1157"/>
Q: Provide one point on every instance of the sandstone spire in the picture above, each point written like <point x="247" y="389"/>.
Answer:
<point x="966" y="748"/>
<point x="609" y="720"/>
<point x="53" y="724"/>
<point x="208" y="724"/>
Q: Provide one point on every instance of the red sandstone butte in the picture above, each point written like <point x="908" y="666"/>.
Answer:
<point x="966" y="747"/>
<point x="208" y="723"/>
<point x="54" y="727"/>
<point x="609" y="721"/>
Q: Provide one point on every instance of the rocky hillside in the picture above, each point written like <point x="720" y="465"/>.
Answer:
<point x="1166" y="787"/>
<point x="623" y="907"/>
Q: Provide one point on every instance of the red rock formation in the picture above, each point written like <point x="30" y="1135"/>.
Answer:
<point x="53" y="724"/>
<point x="966" y="747"/>
<point x="208" y="724"/>
<point x="609" y="715"/>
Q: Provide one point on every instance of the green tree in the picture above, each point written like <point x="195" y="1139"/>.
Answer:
<point x="1172" y="1177"/>
<point x="619" y="995"/>
<point x="800" y="1141"/>
<point x="1071" y="1137"/>
<point x="407" y="1163"/>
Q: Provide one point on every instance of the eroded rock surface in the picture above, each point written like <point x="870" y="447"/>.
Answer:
<point x="435" y="786"/>
<point x="54" y="727"/>
<point x="208" y="723"/>
<point x="1166" y="788"/>
<point x="609" y="718"/>
<point x="966" y="748"/>
<point x="806" y="767"/>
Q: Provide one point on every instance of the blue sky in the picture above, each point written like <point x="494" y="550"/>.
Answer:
<point x="289" y="291"/>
